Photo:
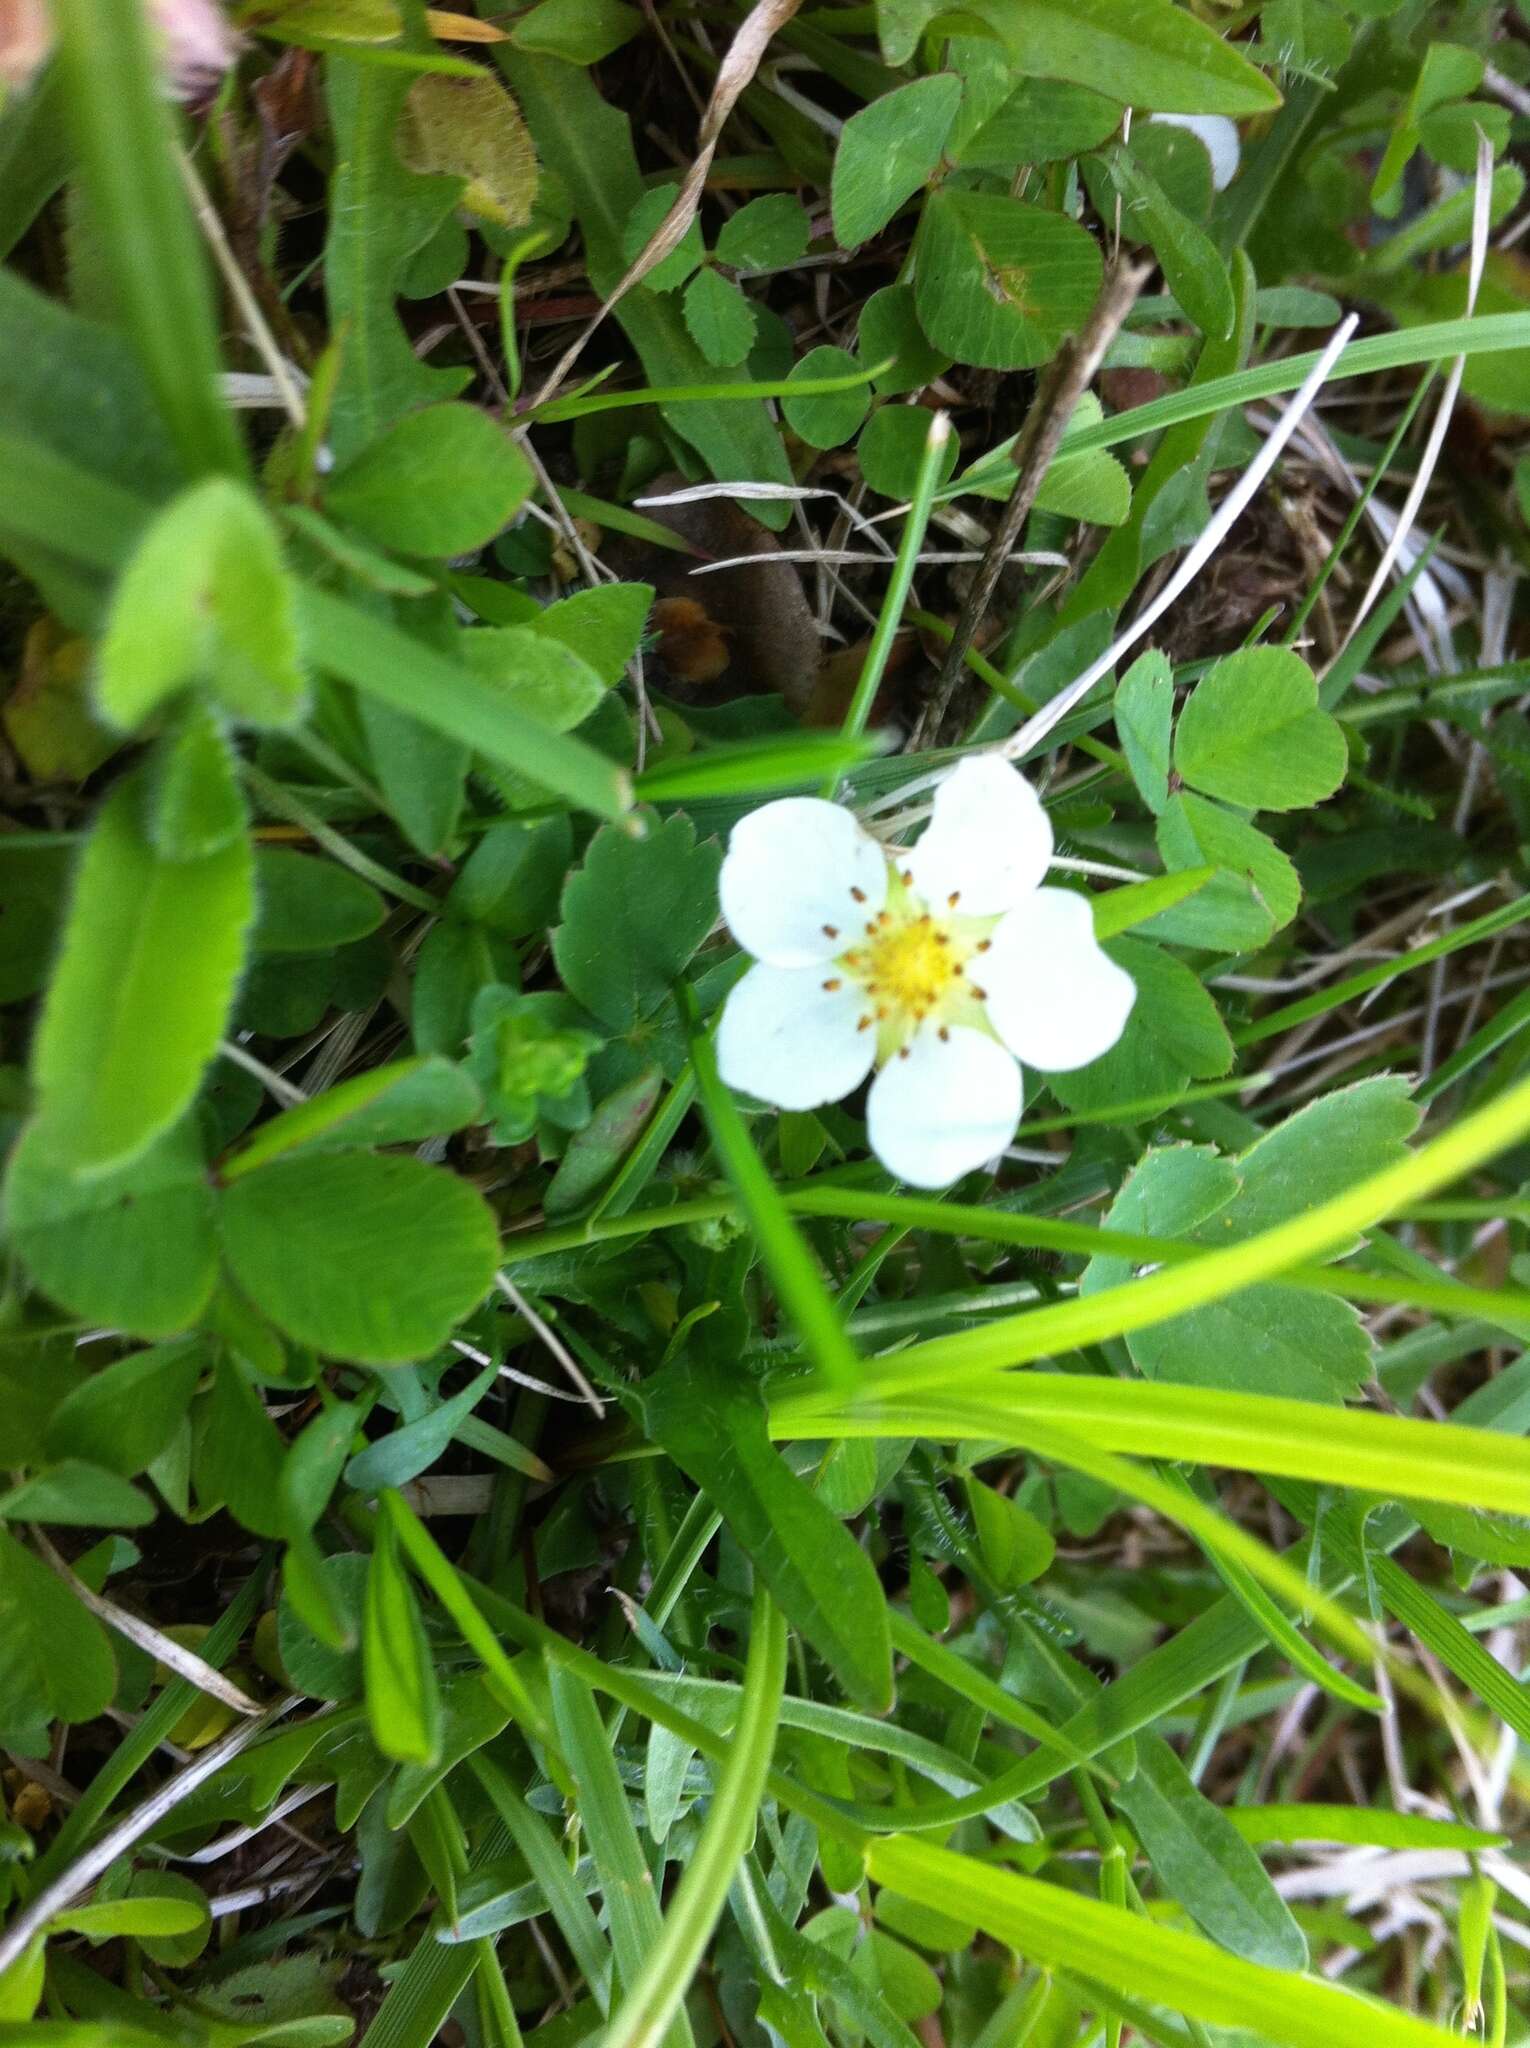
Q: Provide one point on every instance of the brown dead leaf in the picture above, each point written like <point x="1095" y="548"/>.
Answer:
<point x="462" y="28"/>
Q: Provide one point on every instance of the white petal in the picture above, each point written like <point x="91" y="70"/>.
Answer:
<point x="1220" y="137"/>
<point x="988" y="843"/>
<point x="945" y="1108"/>
<point x="787" y="881"/>
<point x="787" y="1039"/>
<point x="1053" y="996"/>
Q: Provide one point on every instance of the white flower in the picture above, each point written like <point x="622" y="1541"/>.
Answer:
<point x="943" y="966"/>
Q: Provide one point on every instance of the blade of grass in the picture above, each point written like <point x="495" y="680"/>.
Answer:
<point x="654" y="1997"/>
<point x="1064" y="1326"/>
<point x="1390" y="1455"/>
<point x="125" y="144"/>
<point x="576" y="407"/>
<point x="564" y="1897"/>
<point x="1284" y="1019"/>
<point x="1063" y="1928"/>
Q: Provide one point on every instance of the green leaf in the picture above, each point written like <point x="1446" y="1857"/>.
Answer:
<point x="1061" y="1928"/>
<point x="364" y="1256"/>
<point x="578" y="31"/>
<point x="1252" y="734"/>
<point x="398" y="1670"/>
<point x="1000" y="283"/>
<point x="1144" y="714"/>
<point x="450" y="698"/>
<point x="1170" y="61"/>
<point x="204" y="599"/>
<point x="889" y="331"/>
<point x="1201" y="1859"/>
<point x="395" y="1459"/>
<point x="77" y="1494"/>
<point x="889" y="151"/>
<point x="240" y="1458"/>
<point x="55" y="1660"/>
<point x="439" y="482"/>
<point x="827" y="419"/>
<point x="123" y="1416"/>
<point x="131" y="1249"/>
<point x="603" y="626"/>
<point x="194" y="805"/>
<point x="1192" y="266"/>
<point x="1173" y="1034"/>
<point x="594" y="1153"/>
<point x="1078" y="485"/>
<point x="393" y="1105"/>
<point x="634" y="912"/>
<point x="1043" y="121"/>
<point x="309" y="905"/>
<point x="103" y="1919"/>
<point x="379" y="215"/>
<point x="720" y="318"/>
<point x="768" y="233"/>
<point x="313" y="1666"/>
<point x="714" y="1429"/>
<point x="1016" y="1548"/>
<point x="892" y="447"/>
<point x="151" y="953"/>
<point x="1257" y="893"/>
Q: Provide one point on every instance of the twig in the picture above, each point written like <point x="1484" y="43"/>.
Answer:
<point x="1068" y="377"/>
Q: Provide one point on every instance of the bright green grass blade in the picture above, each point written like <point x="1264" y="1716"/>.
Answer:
<point x="1485" y="927"/>
<point x="1065" y="1929"/>
<point x="1064" y="1326"/>
<point x="1369" y="1825"/>
<point x="576" y="407"/>
<point x="1491" y="334"/>
<point x="435" y="1976"/>
<point x="656" y="1994"/>
<point x="975" y="1686"/>
<point x="790" y="1264"/>
<point x="1390" y="1455"/>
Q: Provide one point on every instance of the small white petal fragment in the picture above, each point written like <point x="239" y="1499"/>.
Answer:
<point x="799" y="882"/>
<point x="1220" y="137"/>
<point x="1053" y="995"/>
<point x="788" y="1039"/>
<point x="988" y="843"/>
<point x="951" y="1103"/>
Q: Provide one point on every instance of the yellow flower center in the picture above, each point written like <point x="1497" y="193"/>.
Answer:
<point x="912" y="967"/>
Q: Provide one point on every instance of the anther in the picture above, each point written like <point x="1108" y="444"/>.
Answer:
<point x="830" y="931"/>
<point x="858" y="894"/>
<point x="945" y="1036"/>
<point x="951" y="900"/>
<point x="983" y="945"/>
<point x="864" y="1024"/>
<point x="980" y="993"/>
<point x="908" y="878"/>
<point x="903" y="1052"/>
<point x="831" y="985"/>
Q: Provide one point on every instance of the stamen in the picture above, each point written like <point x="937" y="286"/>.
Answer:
<point x="951" y="900"/>
<point x="945" y="1035"/>
<point x="980" y="993"/>
<point x="903" y="1052"/>
<point x="983" y="945"/>
<point x="865" y="1024"/>
<point x="830" y="931"/>
<point x="831" y="985"/>
<point x="858" y="894"/>
<point x="908" y="877"/>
